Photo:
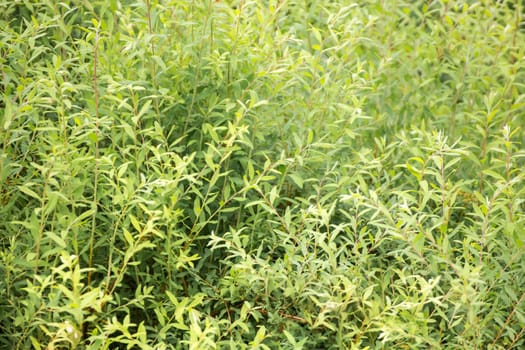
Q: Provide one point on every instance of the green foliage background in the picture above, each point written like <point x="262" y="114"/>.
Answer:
<point x="278" y="174"/>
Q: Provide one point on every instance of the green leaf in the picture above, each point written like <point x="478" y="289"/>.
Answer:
<point x="259" y="337"/>
<point x="419" y="242"/>
<point x="297" y="180"/>
<point x="57" y="239"/>
<point x="135" y="223"/>
<point x="27" y="190"/>
<point x="128" y="237"/>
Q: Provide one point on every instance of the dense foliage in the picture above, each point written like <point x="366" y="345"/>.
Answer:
<point x="273" y="174"/>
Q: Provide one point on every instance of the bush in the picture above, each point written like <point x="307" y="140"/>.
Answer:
<point x="262" y="175"/>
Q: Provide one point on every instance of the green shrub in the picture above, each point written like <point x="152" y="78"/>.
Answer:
<point x="262" y="174"/>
